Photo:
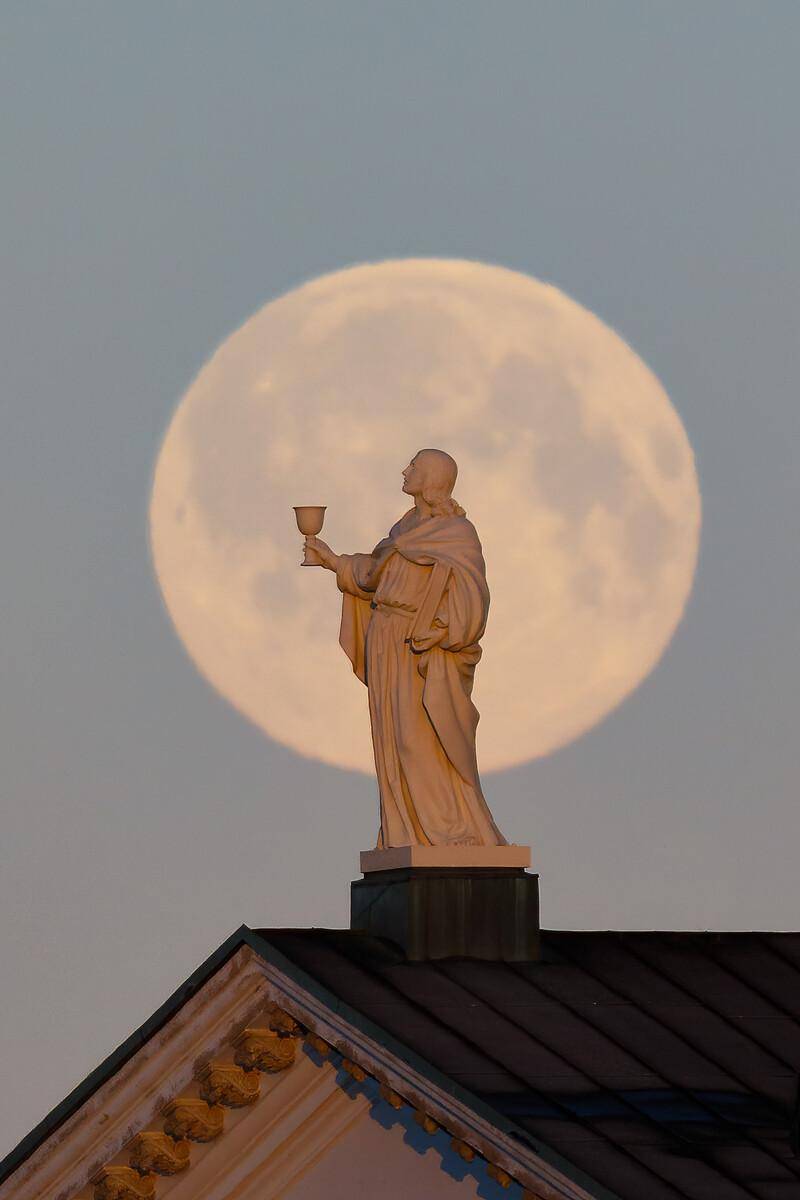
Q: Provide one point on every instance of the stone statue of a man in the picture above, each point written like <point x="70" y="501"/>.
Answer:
<point x="413" y="613"/>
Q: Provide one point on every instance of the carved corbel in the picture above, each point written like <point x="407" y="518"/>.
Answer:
<point x="425" y="1122"/>
<point x="498" y="1175"/>
<point x="281" y="1022"/>
<point x="193" y="1118"/>
<point x="354" y="1070"/>
<point x="264" y="1050"/>
<point x="463" y="1149"/>
<point x="224" y="1083"/>
<point x="391" y="1097"/>
<point x="153" y="1150"/>
<point x="317" y="1043"/>
<point x="123" y="1183"/>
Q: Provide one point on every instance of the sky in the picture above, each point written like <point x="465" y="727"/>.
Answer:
<point x="168" y="169"/>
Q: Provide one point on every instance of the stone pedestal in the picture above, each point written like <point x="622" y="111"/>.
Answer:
<point x="442" y="911"/>
<point x="445" y="856"/>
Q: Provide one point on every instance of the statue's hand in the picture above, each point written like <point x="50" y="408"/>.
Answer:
<point x="319" y="553"/>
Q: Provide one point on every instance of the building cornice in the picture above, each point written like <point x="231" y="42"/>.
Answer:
<point x="434" y="1100"/>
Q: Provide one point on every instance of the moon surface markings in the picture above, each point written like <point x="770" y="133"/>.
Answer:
<point x="573" y="464"/>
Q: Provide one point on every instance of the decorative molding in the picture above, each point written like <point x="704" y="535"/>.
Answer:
<point x="225" y="1083"/>
<point x="153" y="1150"/>
<point x="391" y="1097"/>
<point x="322" y="1047"/>
<point x="282" y="1022"/>
<point x="291" y="1136"/>
<point x="498" y="1147"/>
<point x="425" y="1122"/>
<point x="193" y="1118"/>
<point x="271" y="1145"/>
<point x="133" y="1097"/>
<point x="498" y="1175"/>
<point x="123" y="1183"/>
<point x="354" y="1070"/>
<point x="463" y="1149"/>
<point x="264" y="1050"/>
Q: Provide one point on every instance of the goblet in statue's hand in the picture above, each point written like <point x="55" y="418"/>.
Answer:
<point x="319" y="553"/>
<point x="310" y="519"/>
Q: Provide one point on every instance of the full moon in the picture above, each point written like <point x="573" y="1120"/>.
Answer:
<point x="573" y="465"/>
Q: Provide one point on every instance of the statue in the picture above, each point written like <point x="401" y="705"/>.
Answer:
<point x="413" y="614"/>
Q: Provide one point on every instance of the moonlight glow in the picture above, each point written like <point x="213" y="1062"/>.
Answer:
<point x="573" y="465"/>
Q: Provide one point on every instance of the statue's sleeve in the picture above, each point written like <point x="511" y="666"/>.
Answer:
<point x="359" y="574"/>
<point x="353" y="575"/>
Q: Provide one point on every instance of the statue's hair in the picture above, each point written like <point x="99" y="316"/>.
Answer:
<point x="437" y="494"/>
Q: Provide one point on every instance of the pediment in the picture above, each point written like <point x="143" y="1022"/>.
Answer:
<point x="252" y="1083"/>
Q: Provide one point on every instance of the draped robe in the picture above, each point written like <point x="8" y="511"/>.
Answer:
<point x="413" y="613"/>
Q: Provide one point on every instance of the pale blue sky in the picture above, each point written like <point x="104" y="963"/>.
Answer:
<point x="168" y="168"/>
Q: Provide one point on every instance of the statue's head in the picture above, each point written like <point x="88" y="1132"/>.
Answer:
<point x="432" y="474"/>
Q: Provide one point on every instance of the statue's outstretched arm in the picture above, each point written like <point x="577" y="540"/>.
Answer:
<point x="357" y="574"/>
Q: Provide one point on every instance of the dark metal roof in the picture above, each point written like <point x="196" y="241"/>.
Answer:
<point x="664" y="1065"/>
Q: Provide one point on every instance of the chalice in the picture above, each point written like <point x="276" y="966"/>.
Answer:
<point x="309" y="521"/>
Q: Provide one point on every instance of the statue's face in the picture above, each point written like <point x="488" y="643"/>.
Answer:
<point x="428" y="469"/>
<point x="413" y="477"/>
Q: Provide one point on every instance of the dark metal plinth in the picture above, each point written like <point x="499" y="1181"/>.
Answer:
<point x="451" y="912"/>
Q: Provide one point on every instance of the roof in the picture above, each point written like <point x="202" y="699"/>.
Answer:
<point x="661" y="1065"/>
<point x="664" y="1065"/>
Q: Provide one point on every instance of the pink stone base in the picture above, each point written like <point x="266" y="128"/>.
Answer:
<point x="399" y="857"/>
